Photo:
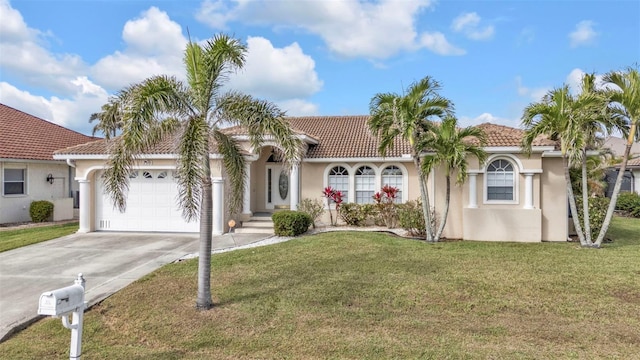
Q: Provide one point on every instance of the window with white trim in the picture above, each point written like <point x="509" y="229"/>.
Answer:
<point x="339" y="180"/>
<point x="392" y="176"/>
<point x="14" y="182"/>
<point x="500" y="180"/>
<point x="365" y="185"/>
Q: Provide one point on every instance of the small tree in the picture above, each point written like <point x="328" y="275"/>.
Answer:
<point x="385" y="203"/>
<point x="333" y="196"/>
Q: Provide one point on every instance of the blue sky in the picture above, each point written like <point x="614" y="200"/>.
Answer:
<point x="60" y="60"/>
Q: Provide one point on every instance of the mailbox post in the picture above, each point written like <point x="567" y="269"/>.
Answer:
<point x="63" y="302"/>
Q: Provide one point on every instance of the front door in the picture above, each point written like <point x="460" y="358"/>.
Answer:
<point x="277" y="187"/>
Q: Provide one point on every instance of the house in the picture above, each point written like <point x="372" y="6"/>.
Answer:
<point x="631" y="179"/>
<point x="511" y="197"/>
<point x="28" y="171"/>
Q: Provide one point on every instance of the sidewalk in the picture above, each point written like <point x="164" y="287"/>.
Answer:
<point x="108" y="262"/>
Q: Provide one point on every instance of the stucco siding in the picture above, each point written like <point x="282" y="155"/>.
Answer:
<point x="518" y="225"/>
<point x="554" y="201"/>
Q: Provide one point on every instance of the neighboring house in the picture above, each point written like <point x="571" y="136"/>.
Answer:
<point x="512" y="197"/>
<point x="631" y="179"/>
<point x="28" y="171"/>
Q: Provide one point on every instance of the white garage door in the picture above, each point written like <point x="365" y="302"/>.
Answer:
<point x="151" y="205"/>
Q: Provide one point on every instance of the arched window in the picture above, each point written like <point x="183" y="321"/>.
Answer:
<point x="365" y="185"/>
<point x="392" y="176"/>
<point x="339" y="180"/>
<point x="500" y="180"/>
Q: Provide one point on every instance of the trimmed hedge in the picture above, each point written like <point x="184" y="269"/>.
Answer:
<point x="41" y="211"/>
<point x="629" y="202"/>
<point x="290" y="223"/>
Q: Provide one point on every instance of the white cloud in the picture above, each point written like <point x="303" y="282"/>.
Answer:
<point x="276" y="73"/>
<point x="574" y="80"/>
<point x="154" y="46"/>
<point x="298" y="107"/>
<point x="349" y="28"/>
<point x="488" y="118"/>
<point x="535" y="94"/>
<point x="437" y="43"/>
<point x="29" y="61"/>
<point x="72" y="112"/>
<point x="469" y="25"/>
<point x="583" y="34"/>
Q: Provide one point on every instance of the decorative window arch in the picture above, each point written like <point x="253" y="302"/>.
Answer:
<point x="501" y="181"/>
<point x="392" y="175"/>
<point x="365" y="180"/>
<point x="339" y="180"/>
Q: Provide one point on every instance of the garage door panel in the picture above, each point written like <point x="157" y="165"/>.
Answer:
<point x="151" y="205"/>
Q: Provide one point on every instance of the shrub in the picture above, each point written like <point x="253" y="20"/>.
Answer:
<point x="290" y="223"/>
<point x="597" y="212"/>
<point x="629" y="202"/>
<point x="353" y="214"/>
<point x="41" y="211"/>
<point x="385" y="203"/>
<point x="313" y="208"/>
<point x="411" y="218"/>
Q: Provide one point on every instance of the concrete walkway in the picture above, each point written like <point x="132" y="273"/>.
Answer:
<point x="108" y="262"/>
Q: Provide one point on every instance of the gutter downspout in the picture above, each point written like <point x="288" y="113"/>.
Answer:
<point x="71" y="164"/>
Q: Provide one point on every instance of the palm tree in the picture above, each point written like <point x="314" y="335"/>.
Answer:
<point x="450" y="147"/>
<point x="109" y="119"/>
<point x="626" y="106"/>
<point x="576" y="121"/>
<point x="409" y="116"/>
<point x="192" y="113"/>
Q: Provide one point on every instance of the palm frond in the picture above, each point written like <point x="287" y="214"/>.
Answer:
<point x="234" y="163"/>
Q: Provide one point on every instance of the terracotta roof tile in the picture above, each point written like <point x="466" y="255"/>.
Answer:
<point x="337" y="137"/>
<point x="500" y="135"/>
<point x="24" y="136"/>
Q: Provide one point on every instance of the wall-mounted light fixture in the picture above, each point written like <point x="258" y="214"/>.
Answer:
<point x="50" y="179"/>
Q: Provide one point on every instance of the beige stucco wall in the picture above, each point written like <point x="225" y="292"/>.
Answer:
<point x="547" y="221"/>
<point x="554" y="205"/>
<point x="15" y="208"/>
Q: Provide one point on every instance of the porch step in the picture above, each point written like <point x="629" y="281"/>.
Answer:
<point x="257" y="224"/>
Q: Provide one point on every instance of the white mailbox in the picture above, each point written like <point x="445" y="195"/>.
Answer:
<point x="62" y="301"/>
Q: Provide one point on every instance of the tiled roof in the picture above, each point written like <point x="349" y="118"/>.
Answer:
<point x="500" y="135"/>
<point x="343" y="137"/>
<point x="165" y="147"/>
<point x="337" y="137"/>
<point x="24" y="136"/>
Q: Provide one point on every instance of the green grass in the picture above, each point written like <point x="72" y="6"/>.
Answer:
<point x="13" y="239"/>
<point x="373" y="296"/>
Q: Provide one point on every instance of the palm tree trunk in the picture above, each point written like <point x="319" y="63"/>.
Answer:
<point x="204" y="301"/>
<point x="425" y="199"/>
<point x="572" y="204"/>
<point x="446" y="210"/>
<point x="585" y="199"/>
<point x="616" y="188"/>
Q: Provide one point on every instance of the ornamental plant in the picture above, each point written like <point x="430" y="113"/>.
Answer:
<point x="333" y="196"/>
<point x="385" y="202"/>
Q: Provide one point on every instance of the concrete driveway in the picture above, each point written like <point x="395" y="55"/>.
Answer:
<point x="108" y="262"/>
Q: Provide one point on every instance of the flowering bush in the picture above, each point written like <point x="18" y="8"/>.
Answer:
<point x="385" y="202"/>
<point x="333" y="196"/>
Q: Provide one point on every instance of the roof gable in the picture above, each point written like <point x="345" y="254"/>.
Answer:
<point x="26" y="137"/>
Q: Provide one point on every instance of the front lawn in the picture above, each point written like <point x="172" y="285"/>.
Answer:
<point x="13" y="239"/>
<point x="373" y="296"/>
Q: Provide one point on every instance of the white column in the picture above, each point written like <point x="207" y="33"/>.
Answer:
<point x="473" y="191"/>
<point x="294" y="192"/>
<point x="246" y="197"/>
<point x="85" y="206"/>
<point x="528" y="191"/>
<point x="218" y="205"/>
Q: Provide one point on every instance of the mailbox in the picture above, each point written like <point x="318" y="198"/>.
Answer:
<point x="62" y="301"/>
